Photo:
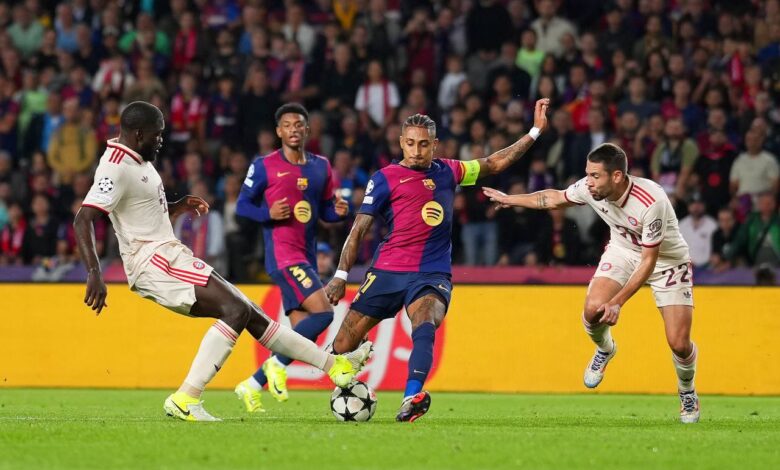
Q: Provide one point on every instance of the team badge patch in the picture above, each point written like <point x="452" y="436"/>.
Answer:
<point x="432" y="213"/>
<point x="251" y="171"/>
<point x="429" y="184"/>
<point x="198" y="265"/>
<point x="632" y="221"/>
<point x="606" y="266"/>
<point x="302" y="211"/>
<point x="303" y="183"/>
<point x="306" y="283"/>
<point x="105" y="185"/>
<point x="370" y="187"/>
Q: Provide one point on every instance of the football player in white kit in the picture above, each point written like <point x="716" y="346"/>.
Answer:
<point x="645" y="247"/>
<point x="159" y="267"/>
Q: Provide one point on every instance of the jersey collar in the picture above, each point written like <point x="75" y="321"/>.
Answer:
<point x="622" y="201"/>
<point x="114" y="143"/>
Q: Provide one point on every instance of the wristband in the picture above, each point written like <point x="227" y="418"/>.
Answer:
<point x="534" y="133"/>
<point x="340" y="274"/>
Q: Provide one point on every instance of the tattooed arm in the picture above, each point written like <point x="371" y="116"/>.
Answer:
<point x="504" y="158"/>
<point x="336" y="287"/>
<point x="545" y="200"/>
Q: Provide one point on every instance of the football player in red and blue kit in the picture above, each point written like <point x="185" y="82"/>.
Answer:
<point x="411" y="267"/>
<point x="287" y="192"/>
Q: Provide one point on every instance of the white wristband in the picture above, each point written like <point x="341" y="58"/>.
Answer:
<point x="534" y="133"/>
<point x="340" y="274"/>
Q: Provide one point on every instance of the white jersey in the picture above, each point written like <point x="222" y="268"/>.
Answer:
<point x="642" y="217"/>
<point x="131" y="192"/>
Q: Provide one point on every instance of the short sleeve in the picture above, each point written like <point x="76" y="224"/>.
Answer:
<point x="575" y="193"/>
<point x="360" y="98"/>
<point x="773" y="168"/>
<point x="377" y="196"/>
<point x="107" y="188"/>
<point x="457" y="167"/>
<point x="654" y="223"/>
<point x="255" y="181"/>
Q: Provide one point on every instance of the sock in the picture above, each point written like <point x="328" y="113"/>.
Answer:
<point x="254" y="383"/>
<point x="215" y="348"/>
<point x="686" y="369"/>
<point x="421" y="359"/>
<point x="282" y="340"/>
<point x="600" y="335"/>
<point x="310" y="328"/>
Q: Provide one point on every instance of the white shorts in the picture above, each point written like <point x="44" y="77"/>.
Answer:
<point x="672" y="282"/>
<point x="170" y="277"/>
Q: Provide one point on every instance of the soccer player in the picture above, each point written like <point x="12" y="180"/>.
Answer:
<point x="645" y="247"/>
<point x="411" y="267"/>
<point x="287" y="192"/>
<point x="159" y="267"/>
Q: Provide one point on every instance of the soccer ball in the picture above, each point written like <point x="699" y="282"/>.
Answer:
<point x="355" y="403"/>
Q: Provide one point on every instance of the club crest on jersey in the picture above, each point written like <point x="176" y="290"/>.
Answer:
<point x="432" y="213"/>
<point x="302" y="211"/>
<point x="429" y="184"/>
<point x="632" y="221"/>
<point x="303" y="183"/>
<point x="606" y="266"/>
<point x="198" y="265"/>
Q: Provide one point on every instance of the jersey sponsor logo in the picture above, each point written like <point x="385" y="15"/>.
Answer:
<point x="279" y="174"/>
<point x="632" y="221"/>
<point x="370" y="187"/>
<point x="429" y="184"/>
<point x="303" y="183"/>
<point x="368" y="200"/>
<point x="144" y="179"/>
<point x="654" y="229"/>
<point x="302" y="211"/>
<point x="604" y="210"/>
<point x="404" y="180"/>
<point x="105" y="185"/>
<point x="606" y="266"/>
<point x="432" y="213"/>
<point x="198" y="265"/>
<point x="251" y="171"/>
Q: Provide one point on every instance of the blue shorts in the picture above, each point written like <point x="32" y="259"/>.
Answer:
<point x="383" y="293"/>
<point x="297" y="283"/>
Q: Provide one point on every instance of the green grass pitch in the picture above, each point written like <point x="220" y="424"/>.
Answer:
<point x="94" y="429"/>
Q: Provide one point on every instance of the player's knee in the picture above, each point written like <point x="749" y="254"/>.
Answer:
<point x="681" y="345"/>
<point x="343" y="344"/>
<point x="591" y="311"/>
<point x="237" y="315"/>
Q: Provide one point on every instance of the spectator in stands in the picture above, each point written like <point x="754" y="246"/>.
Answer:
<point x="673" y="160"/>
<point x="43" y="126"/>
<point x="758" y="239"/>
<point x="477" y="217"/>
<point x="297" y="29"/>
<point x="529" y="57"/>
<point x="339" y="83"/>
<point x="188" y="114"/>
<point x="73" y="146"/>
<point x="722" y="240"/>
<point x="557" y="240"/>
<point x="26" y="33"/>
<point x="637" y="100"/>
<point x="204" y="235"/>
<point x="713" y="167"/>
<point x="697" y="228"/>
<point x="377" y="98"/>
<point x="40" y="236"/>
<point x="755" y="170"/>
<point x="12" y="236"/>
<point x="325" y="261"/>
<point x="550" y="28"/>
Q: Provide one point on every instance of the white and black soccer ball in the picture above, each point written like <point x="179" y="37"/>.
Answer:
<point x="355" y="403"/>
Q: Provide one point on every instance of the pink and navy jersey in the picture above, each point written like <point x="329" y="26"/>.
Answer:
<point x="417" y="207"/>
<point x="309" y="192"/>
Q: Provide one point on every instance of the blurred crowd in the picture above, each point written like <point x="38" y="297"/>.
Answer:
<point x="687" y="87"/>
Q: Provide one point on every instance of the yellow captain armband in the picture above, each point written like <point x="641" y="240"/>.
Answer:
<point x="470" y="172"/>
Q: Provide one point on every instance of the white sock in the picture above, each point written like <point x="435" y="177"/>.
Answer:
<point x="215" y="348"/>
<point x="600" y="335"/>
<point x="686" y="369"/>
<point x="280" y="339"/>
<point x="255" y="384"/>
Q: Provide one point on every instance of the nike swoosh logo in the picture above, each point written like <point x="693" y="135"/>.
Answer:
<point x="279" y="174"/>
<point x="443" y="288"/>
<point x="417" y="371"/>
<point x="404" y="180"/>
<point x="186" y="413"/>
<point x="277" y="390"/>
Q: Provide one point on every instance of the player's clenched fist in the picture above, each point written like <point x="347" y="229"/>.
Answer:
<point x="342" y="207"/>
<point x="335" y="290"/>
<point x="280" y="210"/>
<point x="540" y="113"/>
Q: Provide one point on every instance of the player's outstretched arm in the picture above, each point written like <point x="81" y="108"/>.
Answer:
<point x="337" y="286"/>
<point x="545" y="200"/>
<point x="504" y="158"/>
<point x="85" y="238"/>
